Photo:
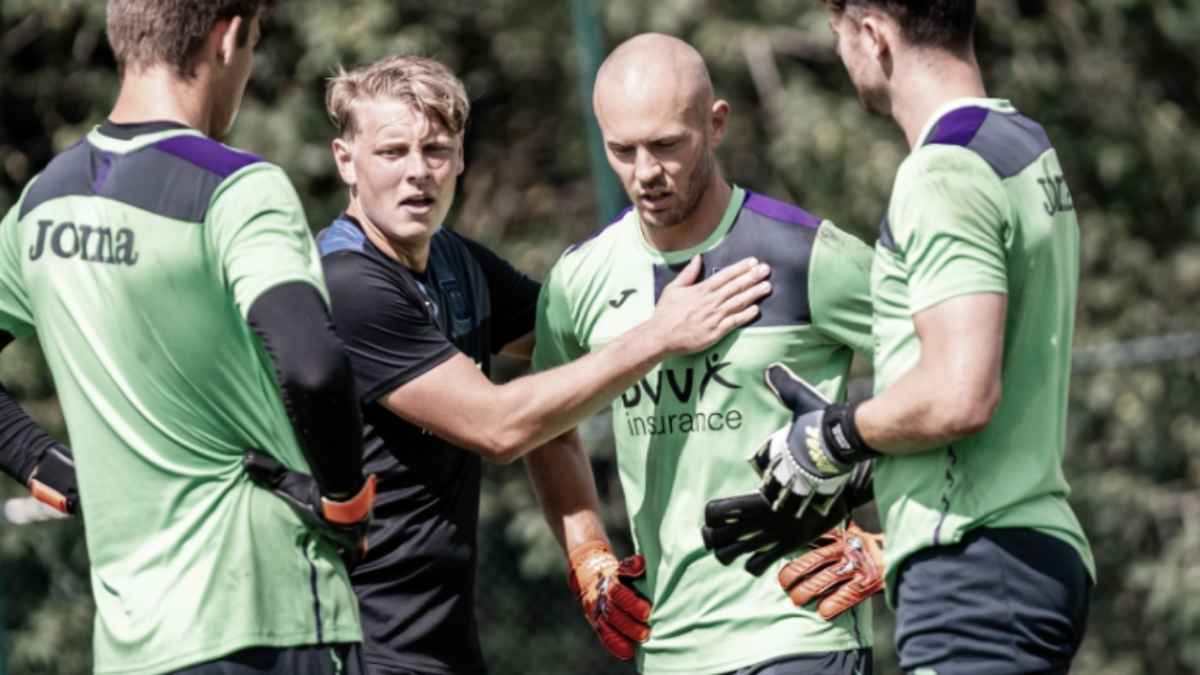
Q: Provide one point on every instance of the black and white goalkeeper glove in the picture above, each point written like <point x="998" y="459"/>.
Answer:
<point x="807" y="463"/>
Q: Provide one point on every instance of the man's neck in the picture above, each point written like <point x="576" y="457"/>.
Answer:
<point x="412" y="254"/>
<point x="928" y="81"/>
<point x="697" y="226"/>
<point x="158" y="94"/>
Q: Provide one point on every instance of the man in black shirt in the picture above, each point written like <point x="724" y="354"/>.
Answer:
<point x="421" y="310"/>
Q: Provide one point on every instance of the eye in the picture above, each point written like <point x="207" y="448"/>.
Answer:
<point x="621" y="150"/>
<point x="437" y="149"/>
<point x="666" y="144"/>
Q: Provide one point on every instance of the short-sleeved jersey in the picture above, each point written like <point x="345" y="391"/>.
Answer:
<point x="981" y="207"/>
<point x="684" y="432"/>
<point x="136" y="256"/>
<point x="417" y="584"/>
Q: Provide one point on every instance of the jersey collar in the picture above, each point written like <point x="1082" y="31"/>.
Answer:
<point x="100" y="137"/>
<point x="997" y="104"/>
<point x="736" y="198"/>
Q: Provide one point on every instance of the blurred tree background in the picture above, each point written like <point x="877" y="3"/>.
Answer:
<point x="1115" y="82"/>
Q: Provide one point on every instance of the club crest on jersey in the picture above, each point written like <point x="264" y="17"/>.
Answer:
<point x="86" y="242"/>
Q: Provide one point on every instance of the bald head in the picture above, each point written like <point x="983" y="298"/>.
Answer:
<point x="661" y="126"/>
<point x="657" y="69"/>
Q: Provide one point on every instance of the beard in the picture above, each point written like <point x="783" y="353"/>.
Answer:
<point x="874" y="99"/>
<point x="689" y="201"/>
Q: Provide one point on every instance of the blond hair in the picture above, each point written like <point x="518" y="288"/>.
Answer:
<point x="423" y="82"/>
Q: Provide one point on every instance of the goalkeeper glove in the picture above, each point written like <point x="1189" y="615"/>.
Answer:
<point x="747" y="524"/>
<point x="846" y="570"/>
<point x="612" y="606"/>
<point x="810" y="460"/>
<point x="53" y="480"/>
<point x="344" y="522"/>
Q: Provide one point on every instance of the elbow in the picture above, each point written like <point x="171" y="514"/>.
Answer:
<point x="319" y="375"/>
<point x="505" y="446"/>
<point x="969" y="415"/>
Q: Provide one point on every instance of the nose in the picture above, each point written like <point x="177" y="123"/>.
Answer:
<point x="646" y="168"/>
<point x="416" y="167"/>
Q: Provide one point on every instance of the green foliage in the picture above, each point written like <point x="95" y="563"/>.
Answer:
<point x="1113" y="81"/>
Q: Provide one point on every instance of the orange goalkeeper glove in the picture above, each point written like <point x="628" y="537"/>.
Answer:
<point x="846" y="570"/>
<point x="613" y="607"/>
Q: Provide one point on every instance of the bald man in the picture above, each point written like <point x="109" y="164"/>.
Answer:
<point x="683" y="431"/>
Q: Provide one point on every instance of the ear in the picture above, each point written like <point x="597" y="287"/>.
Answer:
<point x="343" y="156"/>
<point x="225" y="34"/>
<point x="719" y="121"/>
<point x="876" y="35"/>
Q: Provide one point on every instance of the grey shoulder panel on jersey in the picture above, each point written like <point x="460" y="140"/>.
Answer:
<point x="777" y="233"/>
<point x="174" y="178"/>
<point x="67" y="174"/>
<point x="1008" y="142"/>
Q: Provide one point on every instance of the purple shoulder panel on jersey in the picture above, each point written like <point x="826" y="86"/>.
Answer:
<point x="782" y="211"/>
<point x="207" y="154"/>
<point x="958" y="127"/>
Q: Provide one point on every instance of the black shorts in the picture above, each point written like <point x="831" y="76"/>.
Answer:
<point x="856" y="662"/>
<point x="1001" y="602"/>
<point x="340" y="659"/>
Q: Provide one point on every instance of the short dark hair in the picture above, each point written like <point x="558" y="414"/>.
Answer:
<point x="946" y="24"/>
<point x="171" y="32"/>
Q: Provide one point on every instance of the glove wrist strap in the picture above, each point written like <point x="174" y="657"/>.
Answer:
<point x="586" y="550"/>
<point x="841" y="434"/>
<point x="353" y="510"/>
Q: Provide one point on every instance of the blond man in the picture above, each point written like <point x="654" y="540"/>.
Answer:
<point x="422" y="310"/>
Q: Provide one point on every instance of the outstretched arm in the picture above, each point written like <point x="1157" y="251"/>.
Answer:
<point x="503" y="422"/>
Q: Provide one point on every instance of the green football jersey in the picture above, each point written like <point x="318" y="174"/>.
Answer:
<point x="685" y="431"/>
<point x="135" y="256"/>
<point x="981" y="207"/>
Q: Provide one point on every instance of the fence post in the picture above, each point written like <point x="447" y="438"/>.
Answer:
<point x="609" y="198"/>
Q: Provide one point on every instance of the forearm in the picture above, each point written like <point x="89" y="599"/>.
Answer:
<point x="315" y="383"/>
<point x="532" y="410"/>
<point x="566" y="490"/>
<point x="22" y="441"/>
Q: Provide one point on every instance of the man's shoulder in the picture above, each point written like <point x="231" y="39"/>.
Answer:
<point x="779" y="211"/>
<point x="600" y="240"/>
<point x="341" y="236"/>
<point x="209" y="155"/>
<point x="1004" y="139"/>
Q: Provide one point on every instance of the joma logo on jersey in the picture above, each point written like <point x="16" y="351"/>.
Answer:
<point x="86" y="242"/>
<point x="680" y="382"/>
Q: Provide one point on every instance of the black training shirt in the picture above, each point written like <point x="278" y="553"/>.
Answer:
<point x="416" y="586"/>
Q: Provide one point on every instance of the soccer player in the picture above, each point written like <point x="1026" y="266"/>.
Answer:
<point x="973" y="287"/>
<point x="682" y="430"/>
<point x="422" y="310"/>
<point x="164" y="274"/>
